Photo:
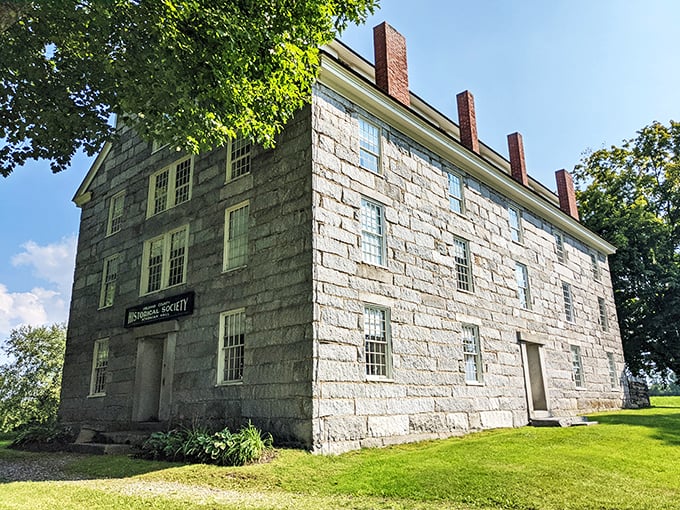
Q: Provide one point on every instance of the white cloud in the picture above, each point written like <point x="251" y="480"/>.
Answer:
<point x="53" y="262"/>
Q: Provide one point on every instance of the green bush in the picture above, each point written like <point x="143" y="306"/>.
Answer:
<point x="42" y="436"/>
<point x="199" y="445"/>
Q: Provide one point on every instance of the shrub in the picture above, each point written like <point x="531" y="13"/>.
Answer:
<point x="42" y="436"/>
<point x="199" y="445"/>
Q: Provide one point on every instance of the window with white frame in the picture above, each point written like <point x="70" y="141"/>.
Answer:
<point x="515" y="220"/>
<point x="165" y="260"/>
<point x="369" y="146"/>
<point x="456" y="197"/>
<point x="523" y="291"/>
<point x="602" y="309"/>
<point x="109" y="279"/>
<point x="472" y="354"/>
<point x="100" y="363"/>
<point x="595" y="266"/>
<point x="238" y="158"/>
<point x="577" y="366"/>
<point x="377" y="346"/>
<point x="116" y="207"/>
<point x="236" y="236"/>
<point x="231" y="346"/>
<point x="568" y="302"/>
<point x="372" y="232"/>
<point x="170" y="186"/>
<point x="156" y="146"/>
<point x="461" y="257"/>
<point x="559" y="247"/>
<point x="613" y="375"/>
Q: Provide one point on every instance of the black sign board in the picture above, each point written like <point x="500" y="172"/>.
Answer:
<point x="161" y="310"/>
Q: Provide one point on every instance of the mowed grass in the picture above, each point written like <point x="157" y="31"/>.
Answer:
<point x="631" y="460"/>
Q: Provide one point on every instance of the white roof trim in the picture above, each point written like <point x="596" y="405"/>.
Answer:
<point x="355" y="88"/>
<point x="83" y="196"/>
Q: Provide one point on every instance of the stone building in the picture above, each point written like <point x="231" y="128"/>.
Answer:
<point x="381" y="276"/>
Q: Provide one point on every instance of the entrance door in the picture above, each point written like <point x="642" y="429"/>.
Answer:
<point x="151" y="379"/>
<point x="537" y="396"/>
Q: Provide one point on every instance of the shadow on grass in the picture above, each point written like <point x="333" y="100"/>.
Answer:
<point x="665" y="425"/>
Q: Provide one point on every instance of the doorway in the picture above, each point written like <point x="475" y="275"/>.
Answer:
<point x="153" y="378"/>
<point x="534" y="377"/>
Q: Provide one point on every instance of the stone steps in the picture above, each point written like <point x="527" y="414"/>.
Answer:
<point x="565" y="421"/>
<point x="118" y="442"/>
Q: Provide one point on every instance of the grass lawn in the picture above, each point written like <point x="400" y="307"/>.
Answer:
<point x="631" y="460"/>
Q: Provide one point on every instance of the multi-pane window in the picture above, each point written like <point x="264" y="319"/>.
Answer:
<point x="165" y="260"/>
<point x="613" y="375"/>
<point x="602" y="309"/>
<point x="568" y="302"/>
<point x="236" y="236"/>
<point x="377" y="341"/>
<point x="472" y="354"/>
<point x="461" y="257"/>
<point x="369" y="146"/>
<point x="372" y="232"/>
<point x="100" y="362"/>
<point x="559" y="247"/>
<point x="523" y="292"/>
<point x="515" y="219"/>
<point x="109" y="278"/>
<point x="238" y="161"/>
<point x="170" y="186"/>
<point x="232" y="341"/>
<point x="116" y="207"/>
<point x="456" y="202"/>
<point x="595" y="266"/>
<point x="577" y="366"/>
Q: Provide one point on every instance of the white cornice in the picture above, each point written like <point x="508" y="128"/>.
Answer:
<point x="358" y="90"/>
<point x="83" y="196"/>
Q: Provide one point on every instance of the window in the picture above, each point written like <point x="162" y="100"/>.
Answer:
<point x="236" y="236"/>
<point x="100" y="362"/>
<point x="461" y="256"/>
<point x="613" y="375"/>
<point x="232" y="341"/>
<point x="577" y="366"/>
<point x="523" y="292"/>
<point x="472" y="354"/>
<point x="165" y="260"/>
<point x="377" y="342"/>
<point x="369" y="146"/>
<point x="595" y="265"/>
<point x="116" y="206"/>
<point x="170" y="186"/>
<point x="604" y="320"/>
<point x="372" y="232"/>
<point x="559" y="247"/>
<point x="156" y="146"/>
<point x="109" y="278"/>
<point x="515" y="219"/>
<point x="456" y="202"/>
<point x="568" y="302"/>
<point x="238" y="158"/>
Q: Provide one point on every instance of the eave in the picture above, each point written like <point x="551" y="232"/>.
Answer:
<point x="356" y="87"/>
<point x="83" y="196"/>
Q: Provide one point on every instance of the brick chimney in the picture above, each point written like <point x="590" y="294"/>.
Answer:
<point x="566" y="194"/>
<point x="467" y="120"/>
<point x="518" y="166"/>
<point x="391" y="70"/>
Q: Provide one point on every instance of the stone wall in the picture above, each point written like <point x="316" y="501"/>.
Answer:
<point x="426" y="395"/>
<point x="274" y="288"/>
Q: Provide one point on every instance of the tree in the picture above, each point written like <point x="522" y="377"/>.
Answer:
<point x="31" y="382"/>
<point x="192" y="73"/>
<point x="630" y="195"/>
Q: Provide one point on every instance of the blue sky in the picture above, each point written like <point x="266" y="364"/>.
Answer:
<point x="568" y="74"/>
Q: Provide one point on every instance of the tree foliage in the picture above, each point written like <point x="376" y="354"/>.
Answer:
<point x="630" y="195"/>
<point x="31" y="382"/>
<point x="192" y="73"/>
